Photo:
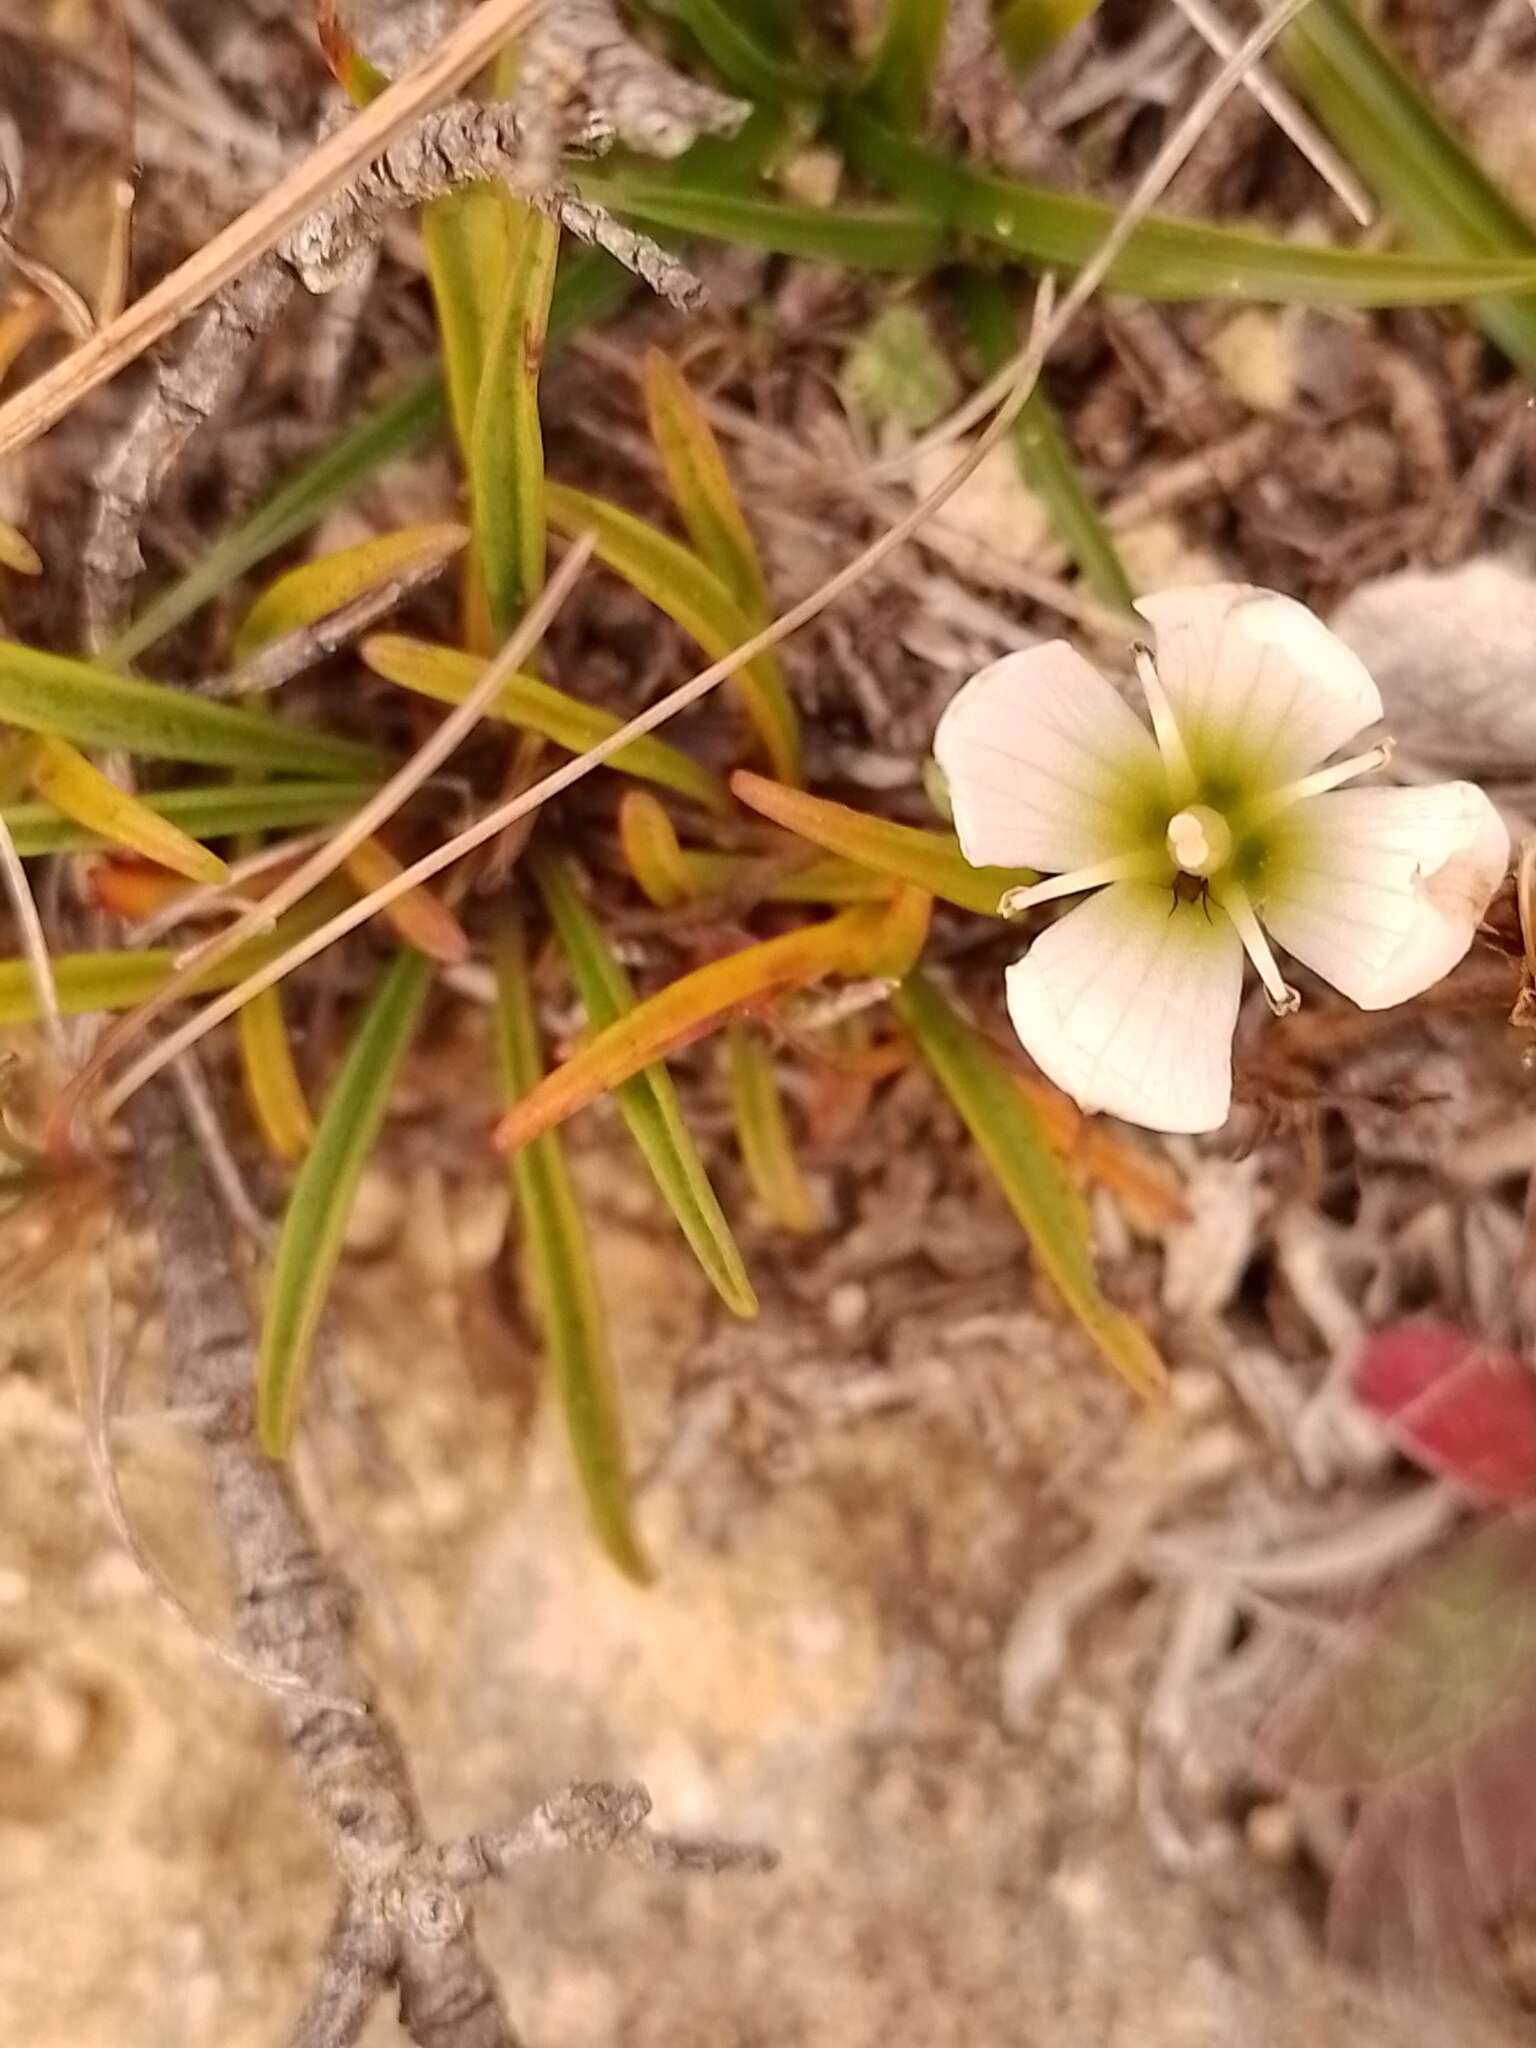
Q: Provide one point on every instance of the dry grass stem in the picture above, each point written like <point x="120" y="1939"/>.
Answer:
<point x="34" y="943"/>
<point x="1288" y="116"/>
<point x="40" y="404"/>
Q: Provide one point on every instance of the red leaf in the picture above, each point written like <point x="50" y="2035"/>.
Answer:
<point x="1462" y="1408"/>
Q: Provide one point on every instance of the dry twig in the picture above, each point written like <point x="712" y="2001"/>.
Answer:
<point x="403" y="1922"/>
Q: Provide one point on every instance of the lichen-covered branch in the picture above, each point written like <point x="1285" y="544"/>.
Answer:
<point x="403" y="1921"/>
<point x="583" y="80"/>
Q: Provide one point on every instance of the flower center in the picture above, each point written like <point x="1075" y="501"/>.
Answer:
<point x="1199" y="840"/>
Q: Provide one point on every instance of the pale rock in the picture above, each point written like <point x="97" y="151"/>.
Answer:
<point x="993" y="513"/>
<point x="1256" y="356"/>
<point x="1450" y="650"/>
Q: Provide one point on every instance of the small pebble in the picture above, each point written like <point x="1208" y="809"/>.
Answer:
<point x="1271" y="1834"/>
<point x="848" y="1308"/>
<point x="377" y="1209"/>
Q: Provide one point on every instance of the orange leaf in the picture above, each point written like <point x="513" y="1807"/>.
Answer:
<point x="132" y="888"/>
<point x="420" y="918"/>
<point x="688" y="1008"/>
<point x="651" y="849"/>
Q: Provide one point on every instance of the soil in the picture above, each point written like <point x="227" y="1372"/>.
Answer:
<point x="848" y="1506"/>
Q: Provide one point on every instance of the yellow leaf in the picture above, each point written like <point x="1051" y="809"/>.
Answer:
<point x="315" y="589"/>
<point x="63" y="777"/>
<point x="272" y="1086"/>
<point x="701" y="485"/>
<point x="651" y="850"/>
<point x="762" y="1131"/>
<point x="535" y="706"/>
<point x="929" y="860"/>
<point x="18" y="553"/>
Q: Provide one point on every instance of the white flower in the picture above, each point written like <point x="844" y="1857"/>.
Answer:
<point x="1198" y="836"/>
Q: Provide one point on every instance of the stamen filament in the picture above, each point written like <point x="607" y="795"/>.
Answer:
<point x="1125" y="867"/>
<point x="1170" y="741"/>
<point x="1233" y="898"/>
<point x="1274" y="801"/>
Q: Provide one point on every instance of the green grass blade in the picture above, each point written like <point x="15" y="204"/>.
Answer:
<point x="762" y="1131"/>
<point x="648" y="1103"/>
<point x="399" y="427"/>
<point x="860" y="235"/>
<point x="1165" y="259"/>
<point x="746" y="59"/>
<point x="1394" y="137"/>
<point x="687" y="590"/>
<point x="315" y="1220"/>
<point x="95" y="707"/>
<point x="449" y="675"/>
<point x="1045" y="461"/>
<point x="223" y="812"/>
<point x="88" y="982"/>
<point x="506" y="453"/>
<point x="468" y="238"/>
<point x="562" y="1279"/>
<point x="1009" y="1137"/>
<point x="900" y="75"/>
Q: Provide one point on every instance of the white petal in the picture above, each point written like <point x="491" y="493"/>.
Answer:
<point x="1380" y="890"/>
<point x="1129" y="1004"/>
<point x="1259" y="687"/>
<point x="1047" y="767"/>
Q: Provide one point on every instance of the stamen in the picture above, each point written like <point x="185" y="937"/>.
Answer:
<point x="1274" y="801"/>
<point x="1233" y="898"/>
<point x="1125" y="867"/>
<point x="1170" y="741"/>
<point x="1199" y="840"/>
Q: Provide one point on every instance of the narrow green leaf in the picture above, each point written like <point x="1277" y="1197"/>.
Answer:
<point x="678" y="583"/>
<point x="562" y="1279"/>
<point x="220" y="813"/>
<point x="468" y="238"/>
<point x="121" y="980"/>
<point x="524" y="701"/>
<point x="928" y="860"/>
<point x="762" y="1131"/>
<point x="900" y="77"/>
<point x="1045" y="461"/>
<point x="753" y="62"/>
<point x="315" y="1220"/>
<point x="589" y="286"/>
<point x="858" y="234"/>
<point x="1165" y="258"/>
<point x="506" y="452"/>
<point x="648" y="1103"/>
<point x="76" y="700"/>
<point x="1010" y="1138"/>
<point x="1394" y="136"/>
